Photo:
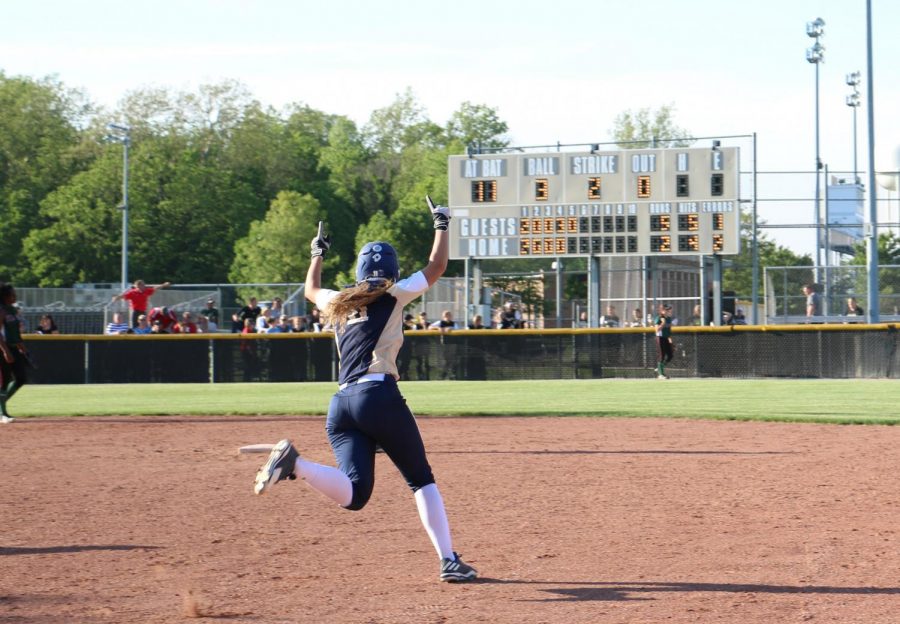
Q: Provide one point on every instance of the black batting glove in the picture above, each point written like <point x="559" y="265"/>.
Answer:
<point x="319" y="246"/>
<point x="440" y="214"/>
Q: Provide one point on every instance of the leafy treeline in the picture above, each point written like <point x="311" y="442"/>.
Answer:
<point x="221" y="188"/>
<point x="224" y="189"/>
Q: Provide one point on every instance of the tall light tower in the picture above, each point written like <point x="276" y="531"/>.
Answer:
<point x="816" y="55"/>
<point x="122" y="134"/>
<point x="853" y="102"/>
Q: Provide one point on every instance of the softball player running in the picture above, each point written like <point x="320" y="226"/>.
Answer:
<point x="368" y="409"/>
<point x="14" y="359"/>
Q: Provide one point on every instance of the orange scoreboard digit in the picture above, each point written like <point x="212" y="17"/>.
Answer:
<point x="647" y="202"/>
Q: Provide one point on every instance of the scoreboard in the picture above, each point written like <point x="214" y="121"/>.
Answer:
<point x="647" y="202"/>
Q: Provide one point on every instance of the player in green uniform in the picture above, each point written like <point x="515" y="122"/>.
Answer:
<point x="664" y="349"/>
<point x="13" y="357"/>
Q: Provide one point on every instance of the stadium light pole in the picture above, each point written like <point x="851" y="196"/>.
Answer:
<point x="122" y="134"/>
<point x="872" y="231"/>
<point x="816" y="56"/>
<point x="853" y="101"/>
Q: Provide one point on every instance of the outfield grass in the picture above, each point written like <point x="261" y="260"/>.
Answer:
<point x="833" y="401"/>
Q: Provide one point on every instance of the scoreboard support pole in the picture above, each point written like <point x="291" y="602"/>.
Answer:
<point x="717" y="289"/>
<point x="559" y="291"/>
<point x="644" y="273"/>
<point x="705" y="312"/>
<point x="594" y="291"/>
<point x="466" y="299"/>
<point x="482" y="297"/>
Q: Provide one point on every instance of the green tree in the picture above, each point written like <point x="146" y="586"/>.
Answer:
<point x="478" y="125"/>
<point x="647" y="128"/>
<point x="401" y="124"/>
<point x="185" y="214"/>
<point x="210" y="114"/>
<point x="888" y="254"/>
<point x="352" y="177"/>
<point x="40" y="149"/>
<point x="739" y="275"/>
<point x="79" y="244"/>
<point x="188" y="233"/>
<point x="276" y="249"/>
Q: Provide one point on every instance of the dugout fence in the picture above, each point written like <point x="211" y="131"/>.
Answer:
<point x="799" y="351"/>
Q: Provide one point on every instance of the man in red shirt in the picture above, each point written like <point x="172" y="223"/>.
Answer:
<point x="164" y="317"/>
<point x="138" y="297"/>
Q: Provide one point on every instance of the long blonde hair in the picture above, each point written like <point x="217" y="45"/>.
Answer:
<point x="352" y="299"/>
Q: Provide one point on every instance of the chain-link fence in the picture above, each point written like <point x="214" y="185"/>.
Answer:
<point x="87" y="309"/>
<point x="811" y="351"/>
<point x="785" y="300"/>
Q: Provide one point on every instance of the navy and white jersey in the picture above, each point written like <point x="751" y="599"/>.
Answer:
<point x="372" y="337"/>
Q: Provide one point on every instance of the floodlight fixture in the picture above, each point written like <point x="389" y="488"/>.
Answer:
<point x="816" y="54"/>
<point x="815" y="28"/>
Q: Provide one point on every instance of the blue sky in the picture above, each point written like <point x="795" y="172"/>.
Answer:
<point x="556" y="71"/>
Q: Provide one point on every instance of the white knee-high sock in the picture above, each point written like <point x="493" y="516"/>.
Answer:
<point x="434" y="519"/>
<point x="328" y="480"/>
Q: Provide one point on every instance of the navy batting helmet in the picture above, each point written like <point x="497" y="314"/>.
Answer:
<point x="377" y="259"/>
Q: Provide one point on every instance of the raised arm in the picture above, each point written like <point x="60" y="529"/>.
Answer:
<point x="161" y="286"/>
<point x="440" y="250"/>
<point x="318" y="248"/>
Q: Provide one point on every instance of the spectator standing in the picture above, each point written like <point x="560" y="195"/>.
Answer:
<point x="449" y="355"/>
<point x="276" y="309"/>
<point x="117" y="325"/>
<point x="409" y="322"/>
<point x="47" y="325"/>
<point x="250" y="311"/>
<point x="298" y="324"/>
<point x="739" y="318"/>
<point x="422" y="323"/>
<point x="237" y="325"/>
<point x="813" y="300"/>
<point x="248" y="351"/>
<point x="211" y="312"/>
<point x="14" y="360"/>
<point x="138" y="297"/>
<point x="314" y="320"/>
<point x="477" y="322"/>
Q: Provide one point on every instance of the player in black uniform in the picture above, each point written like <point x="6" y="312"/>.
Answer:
<point x="13" y="356"/>
<point x="664" y="349"/>
<point x="368" y="410"/>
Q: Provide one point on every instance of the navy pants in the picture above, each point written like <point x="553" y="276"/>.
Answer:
<point x="364" y="415"/>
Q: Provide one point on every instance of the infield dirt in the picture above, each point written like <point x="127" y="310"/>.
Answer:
<point x="567" y="520"/>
